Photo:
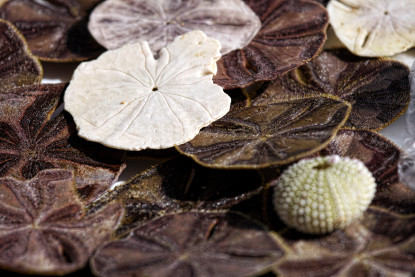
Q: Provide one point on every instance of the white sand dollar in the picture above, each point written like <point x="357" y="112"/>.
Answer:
<point x="114" y="23"/>
<point x="374" y="27"/>
<point x="127" y="99"/>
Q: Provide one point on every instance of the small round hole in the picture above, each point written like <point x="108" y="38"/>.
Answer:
<point x="155" y="89"/>
<point x="386" y="13"/>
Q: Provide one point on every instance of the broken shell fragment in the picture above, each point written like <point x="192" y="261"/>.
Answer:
<point x="129" y="100"/>
<point x="115" y="23"/>
<point x="373" y="28"/>
<point x="319" y="195"/>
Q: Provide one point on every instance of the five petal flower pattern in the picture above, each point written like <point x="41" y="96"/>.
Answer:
<point x="179" y="217"/>
<point x="373" y="28"/>
<point x="377" y="89"/>
<point x="277" y="133"/>
<point x="32" y="140"/>
<point x="351" y="252"/>
<point x="292" y="33"/>
<point x="115" y="23"/>
<point x="55" y="30"/>
<point x="43" y="227"/>
<point x="191" y="244"/>
<point x="127" y="99"/>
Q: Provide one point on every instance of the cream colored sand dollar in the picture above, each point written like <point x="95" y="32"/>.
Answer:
<point x="321" y="194"/>
<point x="127" y="99"/>
<point x="374" y="27"/>
<point x="114" y="23"/>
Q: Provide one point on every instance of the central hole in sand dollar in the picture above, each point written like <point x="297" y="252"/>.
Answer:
<point x="155" y="89"/>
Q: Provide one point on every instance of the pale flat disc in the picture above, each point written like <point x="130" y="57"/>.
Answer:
<point x="128" y="100"/>
<point x="117" y="22"/>
<point x="374" y="28"/>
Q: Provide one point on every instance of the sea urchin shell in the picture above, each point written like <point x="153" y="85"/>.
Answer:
<point x="319" y="195"/>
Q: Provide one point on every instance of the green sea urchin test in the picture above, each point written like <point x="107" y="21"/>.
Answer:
<point x="321" y="194"/>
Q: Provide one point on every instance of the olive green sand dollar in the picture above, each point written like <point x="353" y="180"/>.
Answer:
<point x="277" y="133"/>
<point x="127" y="99"/>
<point x="374" y="28"/>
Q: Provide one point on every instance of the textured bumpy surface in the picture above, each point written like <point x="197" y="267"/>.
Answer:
<point x="127" y="99"/>
<point x="372" y="27"/>
<point x="115" y="23"/>
<point x="322" y="194"/>
<point x="378" y="154"/>
<point x="43" y="227"/>
<point x="17" y="65"/>
<point x="383" y="242"/>
<point x="191" y="244"/>
<point x="273" y="134"/>
<point x="54" y="29"/>
<point x="378" y="89"/>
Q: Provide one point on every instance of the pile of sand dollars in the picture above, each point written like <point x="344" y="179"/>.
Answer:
<point x="264" y="142"/>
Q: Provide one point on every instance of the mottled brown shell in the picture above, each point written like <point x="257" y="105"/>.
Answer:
<point x="31" y="139"/>
<point x="55" y="30"/>
<point x="43" y="226"/>
<point x="191" y="244"/>
<point x="377" y="89"/>
<point x="18" y="66"/>
<point x="273" y="134"/>
<point x="292" y="33"/>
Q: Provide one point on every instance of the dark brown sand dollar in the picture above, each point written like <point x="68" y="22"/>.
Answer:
<point x="292" y="33"/>
<point x="17" y="65"/>
<point x="180" y="185"/>
<point x="117" y="22"/>
<point x="264" y="135"/>
<point x="377" y="89"/>
<point x="354" y="251"/>
<point x="31" y="140"/>
<point x="191" y="244"/>
<point x="43" y="227"/>
<point x="56" y="30"/>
